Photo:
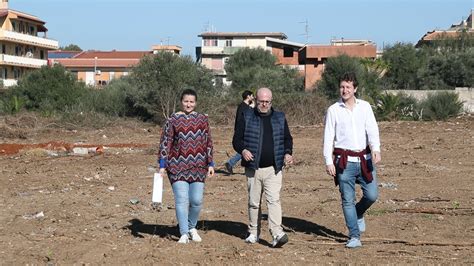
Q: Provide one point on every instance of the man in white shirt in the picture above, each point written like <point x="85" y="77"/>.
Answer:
<point x="351" y="150"/>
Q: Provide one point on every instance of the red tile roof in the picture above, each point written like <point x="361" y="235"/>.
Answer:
<point x="439" y="35"/>
<point x="91" y="62"/>
<point x="435" y="35"/>
<point x="113" y="54"/>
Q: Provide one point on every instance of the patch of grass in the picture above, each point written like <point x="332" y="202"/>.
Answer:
<point x="427" y="216"/>
<point x="378" y="212"/>
<point x="455" y="204"/>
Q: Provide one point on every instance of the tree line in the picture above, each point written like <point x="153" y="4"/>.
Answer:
<point x="151" y="90"/>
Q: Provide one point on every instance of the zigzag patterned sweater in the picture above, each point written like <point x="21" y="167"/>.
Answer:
<point x="186" y="147"/>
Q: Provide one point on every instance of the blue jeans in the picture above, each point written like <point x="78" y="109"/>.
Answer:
<point x="234" y="159"/>
<point x="352" y="211"/>
<point x="188" y="203"/>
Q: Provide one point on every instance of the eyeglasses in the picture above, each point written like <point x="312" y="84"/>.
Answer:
<point x="264" y="102"/>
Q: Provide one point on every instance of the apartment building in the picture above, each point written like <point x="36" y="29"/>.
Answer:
<point x="217" y="47"/>
<point x="22" y="49"/>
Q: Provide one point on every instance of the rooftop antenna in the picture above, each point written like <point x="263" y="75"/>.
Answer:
<point x="208" y="27"/>
<point x="167" y="39"/>
<point x="306" y="30"/>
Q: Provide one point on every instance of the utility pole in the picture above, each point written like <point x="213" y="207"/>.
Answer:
<point x="306" y="30"/>
<point x="95" y="71"/>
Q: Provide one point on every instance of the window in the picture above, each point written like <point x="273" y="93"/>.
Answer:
<point x="228" y="42"/>
<point x="4" y="49"/>
<point x="41" y="54"/>
<point x="13" y="26"/>
<point x="74" y="73"/>
<point x="210" y="42"/>
<point x="287" y="52"/>
<point x="16" y="73"/>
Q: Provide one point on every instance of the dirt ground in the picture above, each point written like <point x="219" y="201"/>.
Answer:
<point x="61" y="208"/>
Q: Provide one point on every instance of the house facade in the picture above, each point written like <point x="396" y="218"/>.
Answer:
<point x="22" y="50"/>
<point x="166" y="48"/>
<point x="314" y="57"/>
<point x="432" y="37"/>
<point x="98" y="68"/>
<point x="309" y="60"/>
<point x="217" y="47"/>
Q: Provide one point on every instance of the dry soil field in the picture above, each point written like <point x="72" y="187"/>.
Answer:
<point x="63" y="209"/>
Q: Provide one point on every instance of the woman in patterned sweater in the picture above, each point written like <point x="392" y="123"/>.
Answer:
<point x="186" y="155"/>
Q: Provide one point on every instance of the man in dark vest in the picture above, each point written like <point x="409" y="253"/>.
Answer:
<point x="263" y="138"/>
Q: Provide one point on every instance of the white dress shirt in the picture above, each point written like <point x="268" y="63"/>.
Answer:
<point x="350" y="130"/>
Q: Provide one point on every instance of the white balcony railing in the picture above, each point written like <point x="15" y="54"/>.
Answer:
<point x="9" y="82"/>
<point x="212" y="50"/>
<point x="28" y="39"/>
<point x="22" y="61"/>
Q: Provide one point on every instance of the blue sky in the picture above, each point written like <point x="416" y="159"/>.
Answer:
<point x="139" y="24"/>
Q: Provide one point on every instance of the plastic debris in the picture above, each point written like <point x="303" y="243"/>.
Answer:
<point x="34" y="216"/>
<point x="134" y="201"/>
<point x="389" y="185"/>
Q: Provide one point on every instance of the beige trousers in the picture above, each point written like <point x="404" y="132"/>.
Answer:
<point x="265" y="181"/>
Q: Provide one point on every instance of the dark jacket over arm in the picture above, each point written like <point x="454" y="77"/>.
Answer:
<point x="288" y="140"/>
<point x="239" y="129"/>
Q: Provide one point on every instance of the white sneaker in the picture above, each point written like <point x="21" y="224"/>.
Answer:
<point x="184" y="239"/>
<point x="353" y="243"/>
<point x="280" y="240"/>
<point x="251" y="239"/>
<point x="193" y="233"/>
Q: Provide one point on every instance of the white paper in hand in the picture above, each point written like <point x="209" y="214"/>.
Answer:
<point x="157" y="195"/>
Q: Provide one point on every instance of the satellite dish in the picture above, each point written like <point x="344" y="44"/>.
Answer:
<point x="29" y="54"/>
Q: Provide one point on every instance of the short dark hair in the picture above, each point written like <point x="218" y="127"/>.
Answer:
<point x="189" y="92"/>
<point x="246" y="94"/>
<point x="349" y="77"/>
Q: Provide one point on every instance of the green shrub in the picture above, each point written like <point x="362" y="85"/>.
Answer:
<point x="398" y="106"/>
<point x="387" y="107"/>
<point x="219" y="105"/>
<point x="158" y="81"/>
<point x="441" y="105"/>
<point x="409" y="107"/>
<point x="302" y="108"/>
<point x="75" y="117"/>
<point x="112" y="100"/>
<point x="334" y="69"/>
<point x="49" y="89"/>
<point x="11" y="104"/>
